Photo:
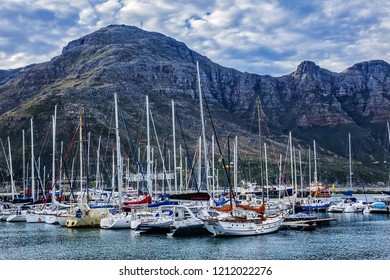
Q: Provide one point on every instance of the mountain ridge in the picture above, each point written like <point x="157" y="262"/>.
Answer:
<point x="312" y="102"/>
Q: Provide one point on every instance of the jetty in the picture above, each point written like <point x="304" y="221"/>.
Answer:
<point x="306" y="225"/>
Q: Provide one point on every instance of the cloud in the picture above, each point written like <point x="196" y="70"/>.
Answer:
<point x="264" y="37"/>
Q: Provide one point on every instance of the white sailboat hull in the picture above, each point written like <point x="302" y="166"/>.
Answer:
<point x="16" y="218"/>
<point x="35" y="218"/>
<point x="4" y="217"/>
<point x="236" y="228"/>
<point x="61" y="220"/>
<point x="116" y="223"/>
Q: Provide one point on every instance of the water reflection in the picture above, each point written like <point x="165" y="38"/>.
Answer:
<point x="352" y="236"/>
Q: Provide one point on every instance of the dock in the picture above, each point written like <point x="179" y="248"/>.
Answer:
<point x="298" y="226"/>
<point x="306" y="225"/>
<point x="319" y="222"/>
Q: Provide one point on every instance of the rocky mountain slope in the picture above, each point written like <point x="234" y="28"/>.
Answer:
<point x="312" y="102"/>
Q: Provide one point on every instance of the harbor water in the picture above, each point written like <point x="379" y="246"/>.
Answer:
<point x="353" y="236"/>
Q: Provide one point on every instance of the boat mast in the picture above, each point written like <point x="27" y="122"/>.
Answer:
<point x="148" y="177"/>
<point x="128" y="173"/>
<point x="229" y="184"/>
<point x="213" y="163"/>
<point x="53" y="166"/>
<point x="300" y="172"/>
<point x="24" y="164"/>
<point x="181" y="169"/>
<point x="13" y="189"/>
<point x="388" y="133"/>
<point x="235" y="163"/>
<point x="200" y="165"/>
<point x="309" y="171"/>
<point x="295" y="173"/>
<point x="44" y="180"/>
<point x="88" y="150"/>
<point x="350" y="160"/>
<point x="98" y="165"/>
<point x="139" y="176"/>
<point x="206" y="163"/>
<point x="292" y="163"/>
<point x="118" y="152"/>
<point x="113" y="171"/>
<point x="72" y="175"/>
<point x="280" y="175"/>
<point x="266" y="170"/>
<point x="61" y="156"/>
<point x="174" y="144"/>
<point x="153" y="166"/>
<point x="260" y="148"/>
<point x="81" y="153"/>
<point x="315" y="162"/>
<point x="32" y="161"/>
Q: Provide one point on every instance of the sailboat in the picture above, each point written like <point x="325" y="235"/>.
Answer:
<point x="381" y="204"/>
<point x="349" y="204"/>
<point x="314" y="203"/>
<point x="9" y="212"/>
<point x="83" y="214"/>
<point x="20" y="215"/>
<point x="243" y="222"/>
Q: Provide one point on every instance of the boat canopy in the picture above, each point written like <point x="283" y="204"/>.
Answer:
<point x="197" y="196"/>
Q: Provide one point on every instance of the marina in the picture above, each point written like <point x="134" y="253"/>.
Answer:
<point x="143" y="207"/>
<point x="348" y="236"/>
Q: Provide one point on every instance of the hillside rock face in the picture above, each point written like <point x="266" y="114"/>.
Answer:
<point x="134" y="63"/>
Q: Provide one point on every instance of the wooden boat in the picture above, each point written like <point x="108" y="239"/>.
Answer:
<point x="243" y="223"/>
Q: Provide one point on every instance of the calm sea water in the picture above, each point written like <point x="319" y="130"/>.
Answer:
<point x="351" y="237"/>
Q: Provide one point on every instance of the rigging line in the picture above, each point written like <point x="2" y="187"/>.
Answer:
<point x="63" y="162"/>
<point x="107" y="149"/>
<point x="69" y="179"/>
<point x="45" y="141"/>
<point x="6" y="158"/>
<point x="192" y="176"/>
<point x="286" y="160"/>
<point x="358" y="171"/>
<point x="218" y="145"/>
<point x="2" y="174"/>
<point x="141" y="119"/>
<point x="268" y="131"/>
<point x="132" y="146"/>
<point x="158" y="145"/>
<point x="192" y="171"/>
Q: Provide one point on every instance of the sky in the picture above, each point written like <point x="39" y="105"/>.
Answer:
<point x="267" y="37"/>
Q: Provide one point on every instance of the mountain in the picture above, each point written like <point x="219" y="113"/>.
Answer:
<point x="312" y="102"/>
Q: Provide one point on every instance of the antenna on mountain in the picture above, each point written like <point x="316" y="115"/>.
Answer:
<point x="141" y="23"/>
